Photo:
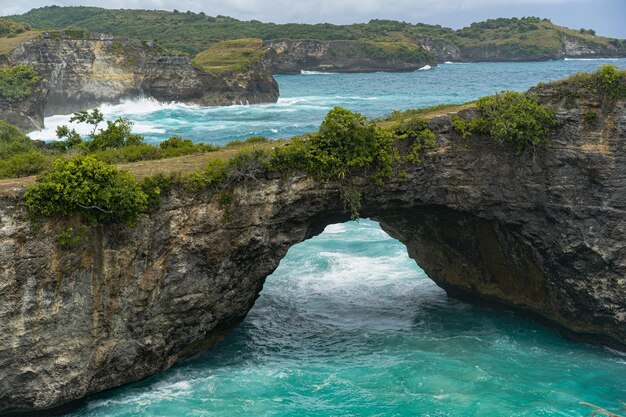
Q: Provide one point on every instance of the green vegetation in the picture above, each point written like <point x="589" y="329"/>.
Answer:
<point x="227" y="56"/>
<point x="116" y="143"/>
<point x="415" y="129"/>
<point x="195" y="32"/>
<point x="387" y="50"/>
<point x="16" y="82"/>
<point x="71" y="238"/>
<point x="10" y="28"/>
<point x="87" y="188"/>
<point x="18" y="155"/>
<point x="8" y="43"/>
<point x="511" y="117"/>
<point x="346" y="141"/>
<point x="607" y="80"/>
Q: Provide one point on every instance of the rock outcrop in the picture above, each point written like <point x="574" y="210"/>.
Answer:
<point x="542" y="232"/>
<point x="294" y="56"/>
<point x="88" y="69"/>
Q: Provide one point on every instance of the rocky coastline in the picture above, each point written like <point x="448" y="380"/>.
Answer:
<point x="541" y="232"/>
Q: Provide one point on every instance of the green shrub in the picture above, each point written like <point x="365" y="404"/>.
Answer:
<point x="247" y="164"/>
<point x="87" y="188"/>
<point x="16" y="82"/>
<point x="253" y="140"/>
<point x="156" y="187"/>
<point x="611" y="81"/>
<point x="607" y="81"/>
<point x="415" y="130"/>
<point x="213" y="173"/>
<point x="346" y="141"/>
<point x="71" y="238"/>
<point x="511" y="117"/>
<point x="24" y="164"/>
<point x="176" y="142"/>
<point x="10" y="28"/>
<point x="13" y="141"/>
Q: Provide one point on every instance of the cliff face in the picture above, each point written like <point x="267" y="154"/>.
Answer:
<point x="82" y="73"/>
<point x="293" y="56"/>
<point x="542" y="232"/>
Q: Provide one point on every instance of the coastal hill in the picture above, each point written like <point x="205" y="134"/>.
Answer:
<point x="379" y="45"/>
<point x="515" y="200"/>
<point x="43" y="73"/>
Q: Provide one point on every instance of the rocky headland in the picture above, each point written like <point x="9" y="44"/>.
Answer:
<point x="540" y="232"/>
<point x="80" y="70"/>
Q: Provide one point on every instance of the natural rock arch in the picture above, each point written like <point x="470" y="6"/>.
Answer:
<point x="541" y="232"/>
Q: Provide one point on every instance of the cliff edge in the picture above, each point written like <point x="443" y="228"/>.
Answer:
<point x="540" y="232"/>
<point x="80" y="70"/>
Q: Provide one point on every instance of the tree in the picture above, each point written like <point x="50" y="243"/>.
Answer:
<point x="117" y="133"/>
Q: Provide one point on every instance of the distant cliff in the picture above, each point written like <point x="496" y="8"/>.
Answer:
<point x="292" y="57"/>
<point x="80" y="70"/>
<point x="379" y="45"/>
<point x="542" y="232"/>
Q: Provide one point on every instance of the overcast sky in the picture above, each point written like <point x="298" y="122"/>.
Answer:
<point x="607" y="17"/>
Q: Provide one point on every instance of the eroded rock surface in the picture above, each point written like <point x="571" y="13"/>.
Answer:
<point x="542" y="232"/>
<point x="79" y="74"/>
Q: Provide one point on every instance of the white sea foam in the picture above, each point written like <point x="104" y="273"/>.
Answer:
<point x="303" y="72"/>
<point x="425" y="68"/>
<point x="142" y="106"/>
<point x="456" y="63"/>
<point x="591" y="59"/>
<point x="335" y="228"/>
<point x="126" y="108"/>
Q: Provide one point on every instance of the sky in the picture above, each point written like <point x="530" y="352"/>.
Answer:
<point x="607" y="17"/>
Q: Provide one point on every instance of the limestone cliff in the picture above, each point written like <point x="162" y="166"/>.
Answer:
<point x="85" y="70"/>
<point x="542" y="232"/>
<point x="294" y="56"/>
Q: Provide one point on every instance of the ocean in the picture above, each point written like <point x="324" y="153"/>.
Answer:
<point x="348" y="325"/>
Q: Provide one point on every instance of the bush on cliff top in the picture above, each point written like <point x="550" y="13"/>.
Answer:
<point x="88" y="188"/>
<point x="12" y="140"/>
<point x="16" y="82"/>
<point x="511" y="117"/>
<point x="607" y="80"/>
<point x="10" y="28"/>
<point x="346" y="141"/>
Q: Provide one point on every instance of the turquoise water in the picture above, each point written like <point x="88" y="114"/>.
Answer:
<point x="305" y="100"/>
<point x="348" y="325"/>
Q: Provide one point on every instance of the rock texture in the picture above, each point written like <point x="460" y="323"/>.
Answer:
<point x="81" y="73"/>
<point x="294" y="56"/>
<point x="542" y="232"/>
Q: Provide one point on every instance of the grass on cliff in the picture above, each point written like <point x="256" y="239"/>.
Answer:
<point x="228" y="56"/>
<point x="7" y="44"/>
